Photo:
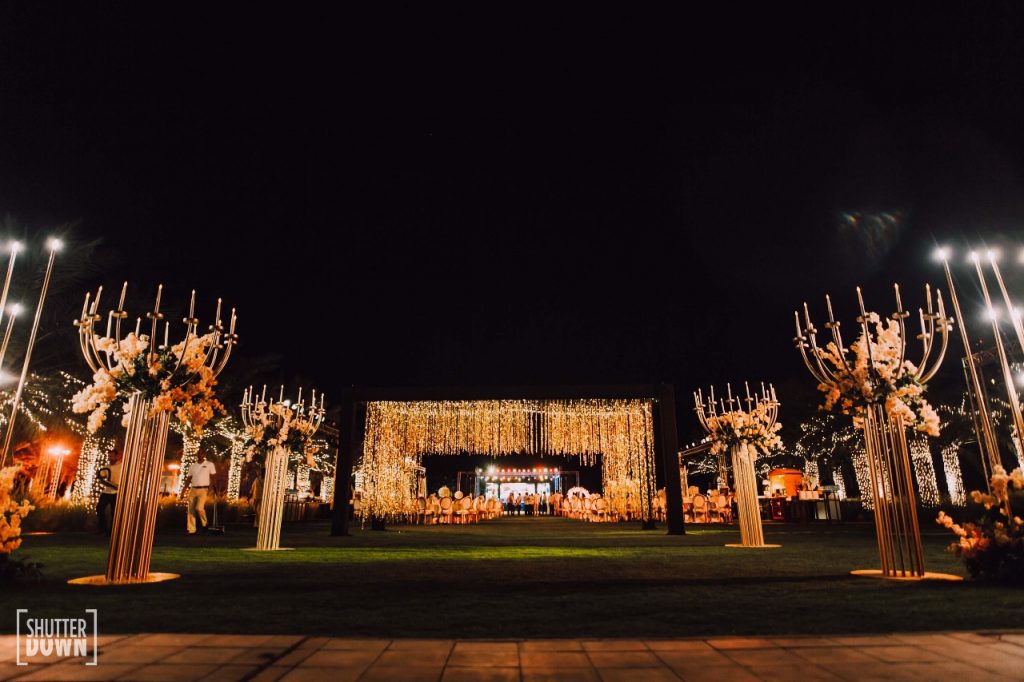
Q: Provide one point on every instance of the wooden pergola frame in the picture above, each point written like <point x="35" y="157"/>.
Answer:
<point x="666" y="442"/>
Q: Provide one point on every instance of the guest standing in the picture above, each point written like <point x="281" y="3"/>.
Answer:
<point x="108" y="479"/>
<point x="200" y="474"/>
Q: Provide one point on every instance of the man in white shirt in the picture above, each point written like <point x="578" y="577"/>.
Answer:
<point x="200" y="475"/>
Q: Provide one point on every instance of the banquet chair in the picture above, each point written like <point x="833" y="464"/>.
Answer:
<point x="700" y="508"/>
<point x="712" y="511"/>
<point x="599" y="510"/>
<point x="420" y="515"/>
<point x="445" y="516"/>
<point x="463" y="509"/>
<point x="723" y="508"/>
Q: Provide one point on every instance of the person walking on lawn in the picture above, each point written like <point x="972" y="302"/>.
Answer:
<point x="201" y="474"/>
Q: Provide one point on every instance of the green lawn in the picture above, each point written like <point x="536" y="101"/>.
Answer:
<point x="540" y="577"/>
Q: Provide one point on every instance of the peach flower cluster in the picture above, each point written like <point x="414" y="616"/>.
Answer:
<point x="158" y="376"/>
<point x="11" y="512"/>
<point x="998" y="538"/>
<point x="754" y="428"/>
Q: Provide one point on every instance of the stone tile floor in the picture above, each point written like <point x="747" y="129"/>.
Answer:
<point x="962" y="656"/>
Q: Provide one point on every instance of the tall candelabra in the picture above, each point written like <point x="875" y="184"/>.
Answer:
<point x="279" y="429"/>
<point x="150" y="374"/>
<point x="741" y="425"/>
<point x="868" y="386"/>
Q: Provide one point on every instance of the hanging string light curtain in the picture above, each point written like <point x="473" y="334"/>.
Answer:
<point x="399" y="434"/>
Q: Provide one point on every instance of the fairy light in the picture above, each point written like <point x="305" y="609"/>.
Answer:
<point x="93" y="456"/>
<point x="301" y="478"/>
<point x="924" y="472"/>
<point x="189" y="456"/>
<point x="1018" y="447"/>
<point x="840" y="483"/>
<point x="327" y="489"/>
<point x="811" y="470"/>
<point x="235" y="469"/>
<point x="399" y="434"/>
<point x="954" y="477"/>
<point x="860" y="470"/>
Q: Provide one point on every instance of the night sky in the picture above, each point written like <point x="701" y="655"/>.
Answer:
<point x="550" y="198"/>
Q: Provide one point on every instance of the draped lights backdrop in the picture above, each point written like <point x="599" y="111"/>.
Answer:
<point x="399" y="434"/>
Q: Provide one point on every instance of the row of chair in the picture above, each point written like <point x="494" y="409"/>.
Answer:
<point x="462" y="510"/>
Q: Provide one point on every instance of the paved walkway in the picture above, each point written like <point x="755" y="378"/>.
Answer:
<point x="266" y="658"/>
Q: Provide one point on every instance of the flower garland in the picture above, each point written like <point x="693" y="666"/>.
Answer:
<point x="280" y="426"/>
<point x="992" y="548"/>
<point x="754" y="428"/>
<point x="11" y="512"/>
<point x="878" y="378"/>
<point x="176" y="379"/>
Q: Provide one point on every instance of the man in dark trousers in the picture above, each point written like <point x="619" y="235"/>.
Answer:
<point x="108" y="478"/>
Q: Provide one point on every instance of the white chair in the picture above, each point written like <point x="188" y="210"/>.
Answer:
<point x="700" y="507"/>
<point x="445" y="516"/>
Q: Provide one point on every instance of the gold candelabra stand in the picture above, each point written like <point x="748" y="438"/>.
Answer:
<point x="896" y="524"/>
<point x="743" y="454"/>
<point x="277" y="420"/>
<point x="131" y="537"/>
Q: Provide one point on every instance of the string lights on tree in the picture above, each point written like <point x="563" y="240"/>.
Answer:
<point x="840" y="483"/>
<point x="924" y="472"/>
<point x="954" y="477"/>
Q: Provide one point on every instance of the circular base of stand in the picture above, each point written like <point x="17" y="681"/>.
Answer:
<point x="737" y="545"/>
<point x="257" y="549"/>
<point x="101" y="580"/>
<point x="877" y="573"/>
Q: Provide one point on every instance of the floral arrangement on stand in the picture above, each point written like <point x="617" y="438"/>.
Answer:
<point x="11" y="514"/>
<point x="877" y="372"/>
<point x="177" y="378"/>
<point x="756" y="428"/>
<point x="280" y="426"/>
<point x="992" y="548"/>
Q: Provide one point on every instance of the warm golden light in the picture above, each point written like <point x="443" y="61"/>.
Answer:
<point x="399" y="434"/>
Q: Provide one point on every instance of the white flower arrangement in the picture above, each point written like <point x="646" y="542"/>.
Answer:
<point x="755" y="428"/>
<point x="863" y="380"/>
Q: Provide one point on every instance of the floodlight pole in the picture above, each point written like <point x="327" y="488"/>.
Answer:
<point x="667" y="443"/>
<point x="347" y="444"/>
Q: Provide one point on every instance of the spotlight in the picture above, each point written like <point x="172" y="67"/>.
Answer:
<point x="14" y="309"/>
<point x="974" y="256"/>
<point x="993" y="255"/>
<point x="54" y="244"/>
<point x="942" y="253"/>
<point x="14" y="246"/>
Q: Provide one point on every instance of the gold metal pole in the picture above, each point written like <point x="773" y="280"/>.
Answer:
<point x="55" y="246"/>
<point x="1004" y="364"/>
<point x="987" y="442"/>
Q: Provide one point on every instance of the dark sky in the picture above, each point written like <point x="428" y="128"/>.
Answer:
<point x="551" y="197"/>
